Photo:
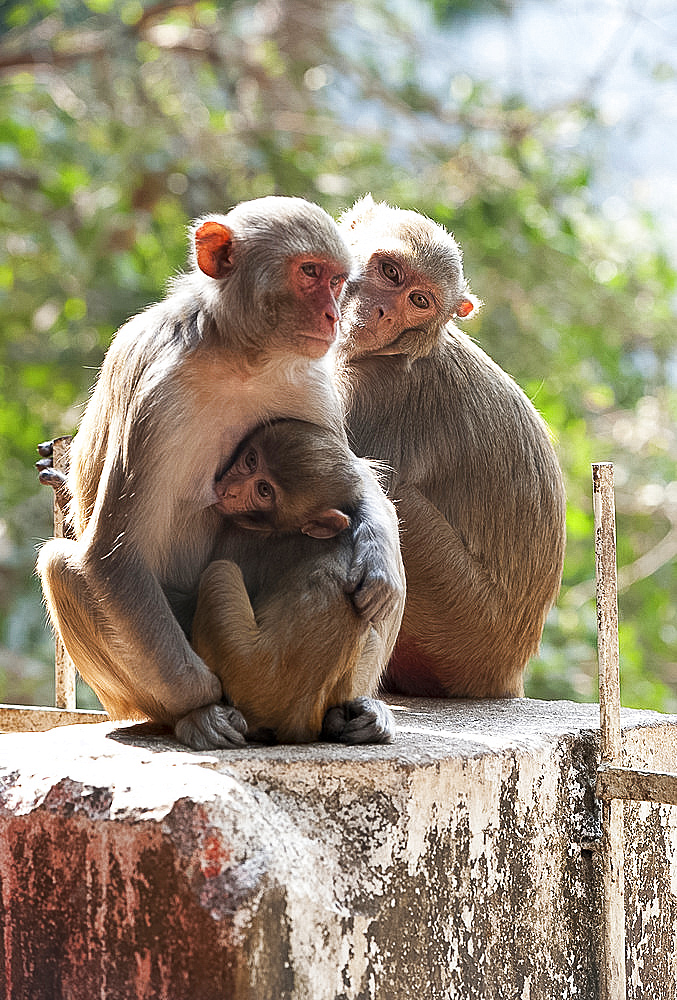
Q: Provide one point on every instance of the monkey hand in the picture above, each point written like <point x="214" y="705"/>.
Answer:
<point x="212" y="727"/>
<point x="375" y="580"/>
<point x="46" y="452"/>
<point x="47" y="474"/>
<point x="362" y="720"/>
<point x="52" y="477"/>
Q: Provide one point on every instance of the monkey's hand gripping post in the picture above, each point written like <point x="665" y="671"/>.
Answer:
<point x="64" y="671"/>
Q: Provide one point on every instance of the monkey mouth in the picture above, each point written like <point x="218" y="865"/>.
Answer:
<point x="363" y="341"/>
<point x="318" y="342"/>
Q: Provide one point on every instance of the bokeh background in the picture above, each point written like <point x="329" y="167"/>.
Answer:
<point x="543" y="133"/>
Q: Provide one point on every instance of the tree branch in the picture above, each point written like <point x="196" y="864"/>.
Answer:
<point x="68" y="48"/>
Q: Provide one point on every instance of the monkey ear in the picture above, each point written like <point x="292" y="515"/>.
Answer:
<point x="466" y="306"/>
<point x="326" y="524"/>
<point x="214" y="249"/>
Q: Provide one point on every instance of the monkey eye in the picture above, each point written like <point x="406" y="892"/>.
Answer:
<point x="264" y="490"/>
<point x="337" y="282"/>
<point x="391" y="272"/>
<point x="311" y="270"/>
<point x="251" y="460"/>
<point x="419" y="300"/>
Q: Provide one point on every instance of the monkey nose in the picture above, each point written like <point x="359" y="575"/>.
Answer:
<point x="330" y="324"/>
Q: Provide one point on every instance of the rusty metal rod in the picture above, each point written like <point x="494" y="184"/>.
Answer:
<point x="636" y="785"/>
<point x="613" y="978"/>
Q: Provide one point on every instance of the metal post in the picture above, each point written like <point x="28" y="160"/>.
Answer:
<point x="64" y="671"/>
<point x="613" y="984"/>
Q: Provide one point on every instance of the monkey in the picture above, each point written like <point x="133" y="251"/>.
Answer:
<point x="478" y="487"/>
<point x="273" y="620"/>
<point x="282" y="482"/>
<point x="248" y="333"/>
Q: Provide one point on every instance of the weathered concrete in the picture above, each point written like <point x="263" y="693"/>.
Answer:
<point x="456" y="863"/>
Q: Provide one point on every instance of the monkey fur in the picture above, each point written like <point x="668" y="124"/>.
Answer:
<point x="478" y="487"/>
<point x="248" y="334"/>
<point x="273" y="620"/>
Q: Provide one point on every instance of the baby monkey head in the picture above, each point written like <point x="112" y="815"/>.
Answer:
<point x="288" y="476"/>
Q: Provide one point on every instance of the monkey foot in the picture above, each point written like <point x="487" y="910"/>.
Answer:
<point x="363" y="720"/>
<point x="212" y="727"/>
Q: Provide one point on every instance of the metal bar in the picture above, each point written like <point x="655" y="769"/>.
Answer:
<point x="607" y="611"/>
<point x="613" y="978"/>
<point x="64" y="671"/>
<point x="639" y="786"/>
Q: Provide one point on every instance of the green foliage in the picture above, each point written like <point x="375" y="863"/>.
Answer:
<point x="121" y="121"/>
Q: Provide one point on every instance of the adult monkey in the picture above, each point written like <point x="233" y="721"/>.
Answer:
<point x="245" y="336"/>
<point x="479" y="489"/>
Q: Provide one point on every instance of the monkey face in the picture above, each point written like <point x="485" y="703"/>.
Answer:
<point x="279" y="266"/>
<point x="309" y="313"/>
<point x="408" y="285"/>
<point x="247" y="488"/>
<point x="391" y="307"/>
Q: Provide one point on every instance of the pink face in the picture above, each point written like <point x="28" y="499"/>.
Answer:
<point x="246" y="486"/>
<point x="316" y="284"/>
<point x="390" y="297"/>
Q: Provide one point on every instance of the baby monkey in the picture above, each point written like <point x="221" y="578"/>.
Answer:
<point x="274" y="618"/>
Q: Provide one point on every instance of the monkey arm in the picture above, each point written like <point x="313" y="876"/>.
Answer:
<point x="376" y="574"/>
<point x="136" y="657"/>
<point x="434" y="551"/>
<point x="460" y="630"/>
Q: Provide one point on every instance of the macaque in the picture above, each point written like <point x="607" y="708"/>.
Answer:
<point x="247" y="335"/>
<point x="477" y="484"/>
<point x="273" y="620"/>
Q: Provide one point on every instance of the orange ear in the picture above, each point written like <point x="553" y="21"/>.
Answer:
<point x="213" y="249"/>
<point x="326" y="524"/>
<point x="464" y="308"/>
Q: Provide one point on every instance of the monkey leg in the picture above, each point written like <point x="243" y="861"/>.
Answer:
<point x="357" y="718"/>
<point x="460" y="636"/>
<point x="250" y="663"/>
<point x="83" y="629"/>
<point x="104" y="662"/>
<point x="287" y="665"/>
<point x="225" y="633"/>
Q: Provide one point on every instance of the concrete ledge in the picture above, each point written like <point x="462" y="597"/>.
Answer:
<point x="458" y="862"/>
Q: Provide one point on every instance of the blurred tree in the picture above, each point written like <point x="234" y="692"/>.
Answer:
<point x="120" y="121"/>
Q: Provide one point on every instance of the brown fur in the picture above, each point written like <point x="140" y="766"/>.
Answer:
<point x="479" y="489"/>
<point x="243" y="338"/>
<point x="273" y="620"/>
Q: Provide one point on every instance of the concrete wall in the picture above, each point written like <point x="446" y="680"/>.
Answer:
<point x="458" y="863"/>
